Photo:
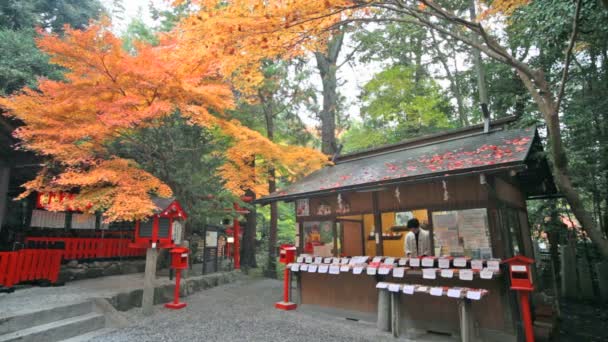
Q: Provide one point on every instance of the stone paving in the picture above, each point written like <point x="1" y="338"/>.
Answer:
<point x="243" y="311"/>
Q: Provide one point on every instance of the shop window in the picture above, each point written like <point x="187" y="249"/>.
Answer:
<point x="462" y="233"/>
<point x="318" y="237"/>
<point x="511" y="224"/>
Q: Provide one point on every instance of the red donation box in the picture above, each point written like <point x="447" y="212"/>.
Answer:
<point x="179" y="258"/>
<point x="179" y="262"/>
<point x="520" y="274"/>
<point x="287" y="254"/>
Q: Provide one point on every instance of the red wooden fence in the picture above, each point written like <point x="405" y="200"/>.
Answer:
<point x="29" y="264"/>
<point x="93" y="248"/>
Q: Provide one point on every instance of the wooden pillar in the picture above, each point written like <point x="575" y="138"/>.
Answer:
<point x="466" y="320"/>
<point x="384" y="310"/>
<point x="147" y="301"/>
<point x="297" y="298"/>
<point x="395" y="313"/>
<point x="377" y="224"/>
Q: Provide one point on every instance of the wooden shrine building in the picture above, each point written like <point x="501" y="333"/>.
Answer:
<point x="468" y="188"/>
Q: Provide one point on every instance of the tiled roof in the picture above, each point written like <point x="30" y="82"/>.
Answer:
<point x="456" y="154"/>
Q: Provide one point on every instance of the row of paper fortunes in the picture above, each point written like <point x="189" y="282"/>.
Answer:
<point x="442" y="262"/>
<point x="397" y="272"/>
<point x="438" y="291"/>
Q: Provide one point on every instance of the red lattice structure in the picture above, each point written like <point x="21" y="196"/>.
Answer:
<point x="29" y="265"/>
<point x="93" y="248"/>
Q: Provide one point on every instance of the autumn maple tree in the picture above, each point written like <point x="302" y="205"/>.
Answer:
<point x="109" y="93"/>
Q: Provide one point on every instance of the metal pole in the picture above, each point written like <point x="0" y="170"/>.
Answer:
<point x="524" y="297"/>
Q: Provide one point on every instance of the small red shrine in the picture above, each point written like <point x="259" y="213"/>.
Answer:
<point x="163" y="229"/>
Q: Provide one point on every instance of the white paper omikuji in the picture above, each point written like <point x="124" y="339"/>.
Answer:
<point x="444" y="263"/>
<point x="377" y="259"/>
<point x="454" y="293"/>
<point x="389" y="261"/>
<point x="429" y="273"/>
<point x="300" y="259"/>
<point x="494" y="265"/>
<point x="323" y="268"/>
<point x="371" y="271"/>
<point x="304" y="267"/>
<point x="381" y="285"/>
<point x="398" y="272"/>
<point x="308" y="259"/>
<point x="394" y="287"/>
<point x="357" y="270"/>
<point x="414" y="262"/>
<point x="486" y="274"/>
<point x="460" y="262"/>
<point x="312" y="268"/>
<point x="436" y="291"/>
<point x="474" y="295"/>
<point x="295" y="267"/>
<point x="344" y="268"/>
<point x="428" y="262"/>
<point x="476" y="264"/>
<point x="449" y="273"/>
<point x="422" y="289"/>
<point x="384" y="270"/>
<point x="402" y="261"/>
<point x="408" y="289"/>
<point x="318" y="260"/>
<point x="465" y="274"/>
<point x="327" y="261"/>
<point x="334" y="269"/>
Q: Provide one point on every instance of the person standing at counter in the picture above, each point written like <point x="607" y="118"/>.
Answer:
<point x="417" y="240"/>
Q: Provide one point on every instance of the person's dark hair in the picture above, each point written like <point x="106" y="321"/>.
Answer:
<point x="413" y="223"/>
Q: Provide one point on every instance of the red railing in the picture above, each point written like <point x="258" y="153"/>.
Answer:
<point x="29" y="264"/>
<point x="93" y="248"/>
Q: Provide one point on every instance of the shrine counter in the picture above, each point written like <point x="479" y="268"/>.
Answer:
<point x="351" y="291"/>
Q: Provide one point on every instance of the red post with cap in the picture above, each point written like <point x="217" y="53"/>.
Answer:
<point x="521" y="281"/>
<point x="179" y="261"/>
<point x="287" y="254"/>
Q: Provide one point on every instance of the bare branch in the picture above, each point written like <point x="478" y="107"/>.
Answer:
<point x="562" y="86"/>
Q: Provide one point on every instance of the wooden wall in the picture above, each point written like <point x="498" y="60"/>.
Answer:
<point x="462" y="192"/>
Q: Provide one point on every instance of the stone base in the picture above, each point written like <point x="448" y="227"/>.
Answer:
<point x="175" y="306"/>
<point x="285" y="306"/>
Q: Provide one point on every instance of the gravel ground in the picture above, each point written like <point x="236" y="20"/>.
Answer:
<point x="243" y="311"/>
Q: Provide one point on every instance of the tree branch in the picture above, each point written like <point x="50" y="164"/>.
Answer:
<point x="562" y="86"/>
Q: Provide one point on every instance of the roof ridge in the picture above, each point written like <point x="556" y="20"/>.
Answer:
<point x="456" y="133"/>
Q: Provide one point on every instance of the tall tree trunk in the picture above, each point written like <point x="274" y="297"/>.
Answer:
<point x="454" y="84"/>
<point x="327" y="65"/>
<point x="481" y="74"/>
<point x="543" y="97"/>
<point x="249" y="235"/>
<point x="271" y="270"/>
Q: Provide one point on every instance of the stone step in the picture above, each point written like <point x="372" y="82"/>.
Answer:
<point x="89" y="336"/>
<point x="34" y="318"/>
<point x="58" y="330"/>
